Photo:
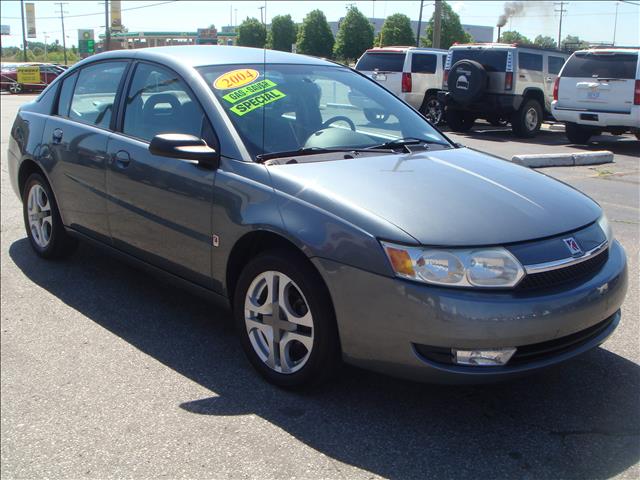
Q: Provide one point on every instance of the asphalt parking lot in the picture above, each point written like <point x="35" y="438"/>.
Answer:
<point x="108" y="373"/>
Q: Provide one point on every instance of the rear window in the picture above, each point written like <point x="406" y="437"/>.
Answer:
<point x="598" y="65"/>
<point x="530" y="61"/>
<point x="555" y="65"/>
<point x="491" y="60"/>
<point x="384" y="62"/>
<point x="423" y="63"/>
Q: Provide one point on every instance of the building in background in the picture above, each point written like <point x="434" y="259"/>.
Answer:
<point x="204" y="36"/>
<point x="480" y="33"/>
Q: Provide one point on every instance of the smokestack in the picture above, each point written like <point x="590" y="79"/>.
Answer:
<point x="510" y="9"/>
<point x="498" y="40"/>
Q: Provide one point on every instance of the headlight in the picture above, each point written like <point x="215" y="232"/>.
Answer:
<point x="603" y="223"/>
<point x="483" y="267"/>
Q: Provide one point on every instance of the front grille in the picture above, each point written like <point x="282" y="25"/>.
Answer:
<point x="553" y="278"/>
<point x="526" y="353"/>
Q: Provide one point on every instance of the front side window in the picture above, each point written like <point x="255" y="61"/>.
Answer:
<point x="283" y="108"/>
<point x="158" y="102"/>
<point x="423" y="63"/>
<point x="555" y="64"/>
<point x="95" y="93"/>
<point x="530" y="61"/>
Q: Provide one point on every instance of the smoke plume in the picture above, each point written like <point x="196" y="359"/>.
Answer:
<point x="510" y="9"/>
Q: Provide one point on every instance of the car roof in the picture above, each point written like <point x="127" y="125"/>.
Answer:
<point x="404" y="49"/>
<point x="635" y="50"/>
<point x="205" y="55"/>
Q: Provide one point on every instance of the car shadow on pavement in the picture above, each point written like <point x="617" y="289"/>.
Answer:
<point x="578" y="420"/>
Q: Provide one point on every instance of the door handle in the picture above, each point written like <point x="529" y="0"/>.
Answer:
<point x="56" y="137"/>
<point x="122" y="159"/>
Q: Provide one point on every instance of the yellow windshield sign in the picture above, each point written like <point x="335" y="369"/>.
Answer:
<point x="245" y="92"/>
<point x="256" y="102"/>
<point x="235" y="78"/>
<point x="28" y="74"/>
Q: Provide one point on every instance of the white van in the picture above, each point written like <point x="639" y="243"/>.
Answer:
<point x="598" y="90"/>
<point x="413" y="74"/>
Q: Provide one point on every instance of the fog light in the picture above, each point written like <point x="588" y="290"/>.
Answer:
<point x="486" y="358"/>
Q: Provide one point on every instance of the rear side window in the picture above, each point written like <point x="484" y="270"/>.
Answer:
<point x="491" y="60"/>
<point x="95" y="93"/>
<point x="555" y="64"/>
<point x="383" y="62"/>
<point x="422" y="63"/>
<point x="444" y="60"/>
<point x="66" y="92"/>
<point x="601" y="65"/>
<point x="530" y="61"/>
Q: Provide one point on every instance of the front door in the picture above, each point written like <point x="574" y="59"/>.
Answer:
<point x="160" y="208"/>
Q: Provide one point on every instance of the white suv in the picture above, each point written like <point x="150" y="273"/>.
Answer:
<point x="599" y="90"/>
<point x="413" y="74"/>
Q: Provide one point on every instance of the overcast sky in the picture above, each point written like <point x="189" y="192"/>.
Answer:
<point x="590" y="20"/>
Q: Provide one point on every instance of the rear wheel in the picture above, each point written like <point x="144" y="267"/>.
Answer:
<point x="577" y="134"/>
<point x="460" y="121"/>
<point x="285" y="319"/>
<point x="527" y="120"/>
<point x="42" y="220"/>
<point x="16" y="87"/>
<point x="433" y="109"/>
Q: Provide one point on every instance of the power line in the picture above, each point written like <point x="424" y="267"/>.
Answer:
<point x="99" y="13"/>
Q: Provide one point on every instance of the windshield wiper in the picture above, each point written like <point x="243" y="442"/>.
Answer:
<point x="403" y="142"/>
<point x="312" y="151"/>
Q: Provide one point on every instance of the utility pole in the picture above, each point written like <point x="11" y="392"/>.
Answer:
<point x="615" y="25"/>
<point x="107" y="27"/>
<point x="64" y="38"/>
<point x="261" y="14"/>
<point x="46" y="38"/>
<point x="24" y="32"/>
<point x="419" y="24"/>
<point x="561" y="11"/>
<point x="437" y="24"/>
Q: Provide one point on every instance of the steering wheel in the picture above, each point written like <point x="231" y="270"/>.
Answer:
<point x="339" y="118"/>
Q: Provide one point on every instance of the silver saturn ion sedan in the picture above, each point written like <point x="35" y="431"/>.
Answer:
<point x="254" y="177"/>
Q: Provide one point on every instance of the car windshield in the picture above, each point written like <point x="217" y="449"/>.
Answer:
<point x="285" y="108"/>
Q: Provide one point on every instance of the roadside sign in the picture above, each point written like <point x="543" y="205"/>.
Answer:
<point x="116" y="16"/>
<point x="30" y="11"/>
<point x="29" y="74"/>
<point x="86" y="42"/>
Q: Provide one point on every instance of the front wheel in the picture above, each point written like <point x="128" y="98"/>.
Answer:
<point x="285" y="319"/>
<point x="577" y="134"/>
<point x="433" y="109"/>
<point x="42" y="220"/>
<point x="16" y="87"/>
<point x="526" y="122"/>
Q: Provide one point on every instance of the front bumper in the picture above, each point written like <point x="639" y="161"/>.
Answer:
<point x="381" y="320"/>
<point x="595" y="118"/>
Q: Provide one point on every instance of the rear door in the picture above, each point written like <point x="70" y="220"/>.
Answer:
<point x="598" y="81"/>
<point x="423" y="69"/>
<point x="160" y="208"/>
<point x="384" y="67"/>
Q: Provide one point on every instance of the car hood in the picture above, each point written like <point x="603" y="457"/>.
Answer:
<point x="456" y="197"/>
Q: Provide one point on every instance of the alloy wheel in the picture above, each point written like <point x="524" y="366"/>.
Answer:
<point x="434" y="111"/>
<point x="279" y="322"/>
<point x="40" y="218"/>
<point x="531" y="119"/>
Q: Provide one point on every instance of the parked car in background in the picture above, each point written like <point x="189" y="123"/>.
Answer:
<point x="233" y="171"/>
<point x="9" y="77"/>
<point x="413" y="74"/>
<point x="598" y="90"/>
<point x="501" y="83"/>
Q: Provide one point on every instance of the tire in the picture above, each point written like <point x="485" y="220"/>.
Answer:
<point x="376" y="117"/>
<point x="46" y="233"/>
<point x="433" y="109"/>
<point x="467" y="81"/>
<point x="16" y="87"/>
<point x="459" y="121"/>
<point x="577" y="134"/>
<point x="312" y="348"/>
<point x="526" y="122"/>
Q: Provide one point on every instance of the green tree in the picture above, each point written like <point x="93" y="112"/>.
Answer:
<point x="511" y="36"/>
<point x="545" y="42"/>
<point x="396" y="30"/>
<point x="573" y="42"/>
<point x="282" y="34"/>
<point x="314" y="36"/>
<point x="252" y="33"/>
<point x="451" y="30"/>
<point x="355" y="35"/>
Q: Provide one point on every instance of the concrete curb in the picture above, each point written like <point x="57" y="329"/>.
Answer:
<point x="563" y="159"/>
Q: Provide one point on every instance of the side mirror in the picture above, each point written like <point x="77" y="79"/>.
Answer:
<point x="184" y="147"/>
